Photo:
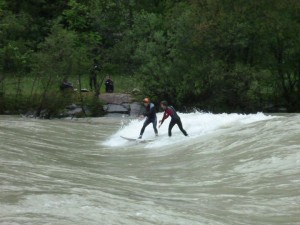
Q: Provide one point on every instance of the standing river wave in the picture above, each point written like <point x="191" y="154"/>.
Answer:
<point x="232" y="169"/>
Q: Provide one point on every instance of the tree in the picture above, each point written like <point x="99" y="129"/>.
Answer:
<point x="54" y="61"/>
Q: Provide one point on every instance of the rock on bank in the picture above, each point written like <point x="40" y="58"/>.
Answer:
<point x="120" y="103"/>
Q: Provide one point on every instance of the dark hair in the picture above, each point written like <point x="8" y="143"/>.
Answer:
<point x="165" y="103"/>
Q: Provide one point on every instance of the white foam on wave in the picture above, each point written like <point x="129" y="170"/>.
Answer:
<point x="196" y="124"/>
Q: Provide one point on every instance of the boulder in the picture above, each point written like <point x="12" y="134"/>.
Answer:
<point x="116" y="98"/>
<point x="115" y="108"/>
<point x="120" y="103"/>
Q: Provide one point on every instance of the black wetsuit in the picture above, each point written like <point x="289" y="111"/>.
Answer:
<point x="151" y="118"/>
<point x="175" y="119"/>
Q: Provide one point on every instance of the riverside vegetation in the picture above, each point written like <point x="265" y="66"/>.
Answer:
<point x="215" y="55"/>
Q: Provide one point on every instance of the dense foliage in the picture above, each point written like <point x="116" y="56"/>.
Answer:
<point x="216" y="55"/>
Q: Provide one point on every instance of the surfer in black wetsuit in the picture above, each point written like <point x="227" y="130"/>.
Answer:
<point x="175" y="119"/>
<point x="151" y="117"/>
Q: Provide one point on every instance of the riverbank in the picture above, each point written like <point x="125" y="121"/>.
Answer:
<point x="33" y="100"/>
<point x="108" y="105"/>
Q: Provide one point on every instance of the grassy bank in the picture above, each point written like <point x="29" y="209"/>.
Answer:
<point x="29" y="94"/>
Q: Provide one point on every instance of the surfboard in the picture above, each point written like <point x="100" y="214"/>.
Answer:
<point x="137" y="140"/>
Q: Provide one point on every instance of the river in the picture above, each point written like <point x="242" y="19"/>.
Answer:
<point x="232" y="169"/>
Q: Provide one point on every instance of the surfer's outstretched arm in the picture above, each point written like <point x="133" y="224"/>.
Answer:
<point x="165" y="116"/>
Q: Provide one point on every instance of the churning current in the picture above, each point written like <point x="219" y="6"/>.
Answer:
<point x="232" y="169"/>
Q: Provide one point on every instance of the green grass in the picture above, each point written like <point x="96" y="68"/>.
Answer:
<point x="29" y="85"/>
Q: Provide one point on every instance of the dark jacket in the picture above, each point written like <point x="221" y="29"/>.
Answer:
<point x="150" y="111"/>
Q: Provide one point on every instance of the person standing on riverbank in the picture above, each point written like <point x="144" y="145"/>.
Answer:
<point x="93" y="75"/>
<point x="151" y="117"/>
<point x="175" y="119"/>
